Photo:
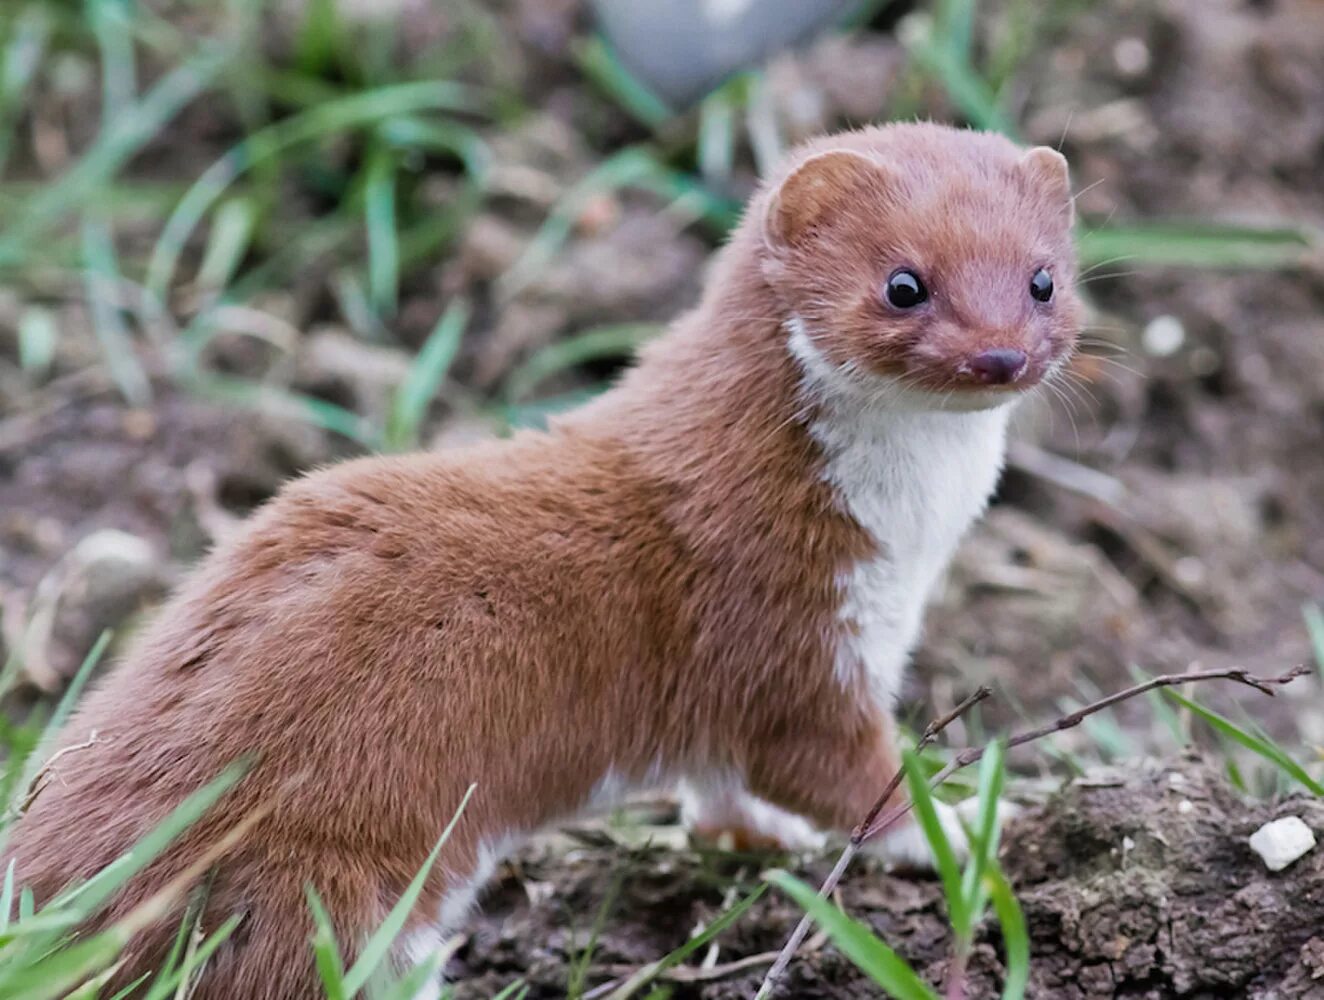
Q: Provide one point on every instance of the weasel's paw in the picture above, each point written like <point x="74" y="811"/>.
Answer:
<point x="738" y="821"/>
<point x="906" y="847"/>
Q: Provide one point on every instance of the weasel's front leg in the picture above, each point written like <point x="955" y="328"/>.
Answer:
<point x="719" y="809"/>
<point x="834" y="777"/>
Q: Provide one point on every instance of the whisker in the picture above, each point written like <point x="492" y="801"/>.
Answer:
<point x="1117" y="364"/>
<point x="1104" y="263"/>
<point x="1088" y="188"/>
<point x="1081" y="282"/>
<point x="1066" y="125"/>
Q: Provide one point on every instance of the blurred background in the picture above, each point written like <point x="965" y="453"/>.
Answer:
<point x="239" y="239"/>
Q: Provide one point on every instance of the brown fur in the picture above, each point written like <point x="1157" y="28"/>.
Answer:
<point x="651" y="581"/>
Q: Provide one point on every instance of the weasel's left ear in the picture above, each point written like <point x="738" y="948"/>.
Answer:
<point x="1047" y="169"/>
<point x="816" y="191"/>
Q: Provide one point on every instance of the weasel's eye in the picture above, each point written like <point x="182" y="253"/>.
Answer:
<point x="1041" y="285"/>
<point x="905" y="290"/>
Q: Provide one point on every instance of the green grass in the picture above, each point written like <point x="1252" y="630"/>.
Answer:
<point x="1258" y="743"/>
<point x="42" y="958"/>
<point x="342" y="122"/>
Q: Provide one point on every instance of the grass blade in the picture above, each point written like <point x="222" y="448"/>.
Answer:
<point x="412" y="985"/>
<point x="1196" y="244"/>
<point x="110" y="24"/>
<point x="634" y="166"/>
<point x="1015" y="936"/>
<point x="926" y="814"/>
<point x="1315" y="627"/>
<point x="618" y="341"/>
<point x="63" y="969"/>
<point x="38" y="336"/>
<point x="86" y="899"/>
<point x="967" y="90"/>
<point x="229" y="239"/>
<point x="650" y="972"/>
<point x="599" y="62"/>
<point x="617" y="171"/>
<point x="333" y="117"/>
<point x="383" y="239"/>
<point x="119" y="141"/>
<point x="56" y="722"/>
<point x="984" y="837"/>
<point x="415" y="394"/>
<point x="102" y="278"/>
<point x="716" y="152"/>
<point x="30" y="32"/>
<point x="180" y="978"/>
<point x="326" y="952"/>
<point x="1262" y="746"/>
<point x="319" y="38"/>
<point x="956" y="22"/>
<point x="284" y="403"/>
<point x="375" y="951"/>
<point x="7" y="897"/>
<point x="1171" y="719"/>
<point x="874" y="958"/>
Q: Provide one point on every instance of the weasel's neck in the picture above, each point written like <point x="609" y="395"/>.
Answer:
<point x="757" y="434"/>
<point x="814" y="509"/>
<point x="913" y="480"/>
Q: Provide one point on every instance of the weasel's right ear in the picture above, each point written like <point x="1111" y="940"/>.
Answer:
<point x="1048" y="170"/>
<point x="815" y="190"/>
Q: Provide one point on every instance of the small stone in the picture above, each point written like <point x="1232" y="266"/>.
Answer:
<point x="1131" y="55"/>
<point x="1163" y="336"/>
<point x="1281" y="842"/>
<point x="1185" y="806"/>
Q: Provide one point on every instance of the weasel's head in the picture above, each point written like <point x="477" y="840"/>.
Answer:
<point x="925" y="263"/>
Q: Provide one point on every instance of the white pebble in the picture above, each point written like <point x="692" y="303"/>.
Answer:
<point x="1281" y="842"/>
<point x="1163" y="336"/>
<point x="1131" y="56"/>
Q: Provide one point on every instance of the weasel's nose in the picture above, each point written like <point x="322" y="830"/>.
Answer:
<point x="998" y="366"/>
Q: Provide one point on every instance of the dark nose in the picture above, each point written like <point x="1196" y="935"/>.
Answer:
<point x="999" y="366"/>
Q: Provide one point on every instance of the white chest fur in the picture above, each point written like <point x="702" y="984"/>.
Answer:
<point x="913" y="478"/>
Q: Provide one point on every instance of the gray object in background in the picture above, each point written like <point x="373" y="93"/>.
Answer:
<point x="683" y="48"/>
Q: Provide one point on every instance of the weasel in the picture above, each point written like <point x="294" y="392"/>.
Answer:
<point x="714" y="572"/>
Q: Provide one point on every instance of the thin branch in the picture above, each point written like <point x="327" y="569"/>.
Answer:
<point x="694" y="973"/>
<point x="931" y="733"/>
<point x="875" y="824"/>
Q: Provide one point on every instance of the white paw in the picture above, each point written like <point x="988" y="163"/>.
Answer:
<point x="728" y="812"/>
<point x="906" y="847"/>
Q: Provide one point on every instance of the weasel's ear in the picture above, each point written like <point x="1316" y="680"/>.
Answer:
<point x="815" y="189"/>
<point x="1047" y="170"/>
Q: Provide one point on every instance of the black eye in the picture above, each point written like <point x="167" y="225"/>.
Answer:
<point x="905" y="290"/>
<point x="1041" y="285"/>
